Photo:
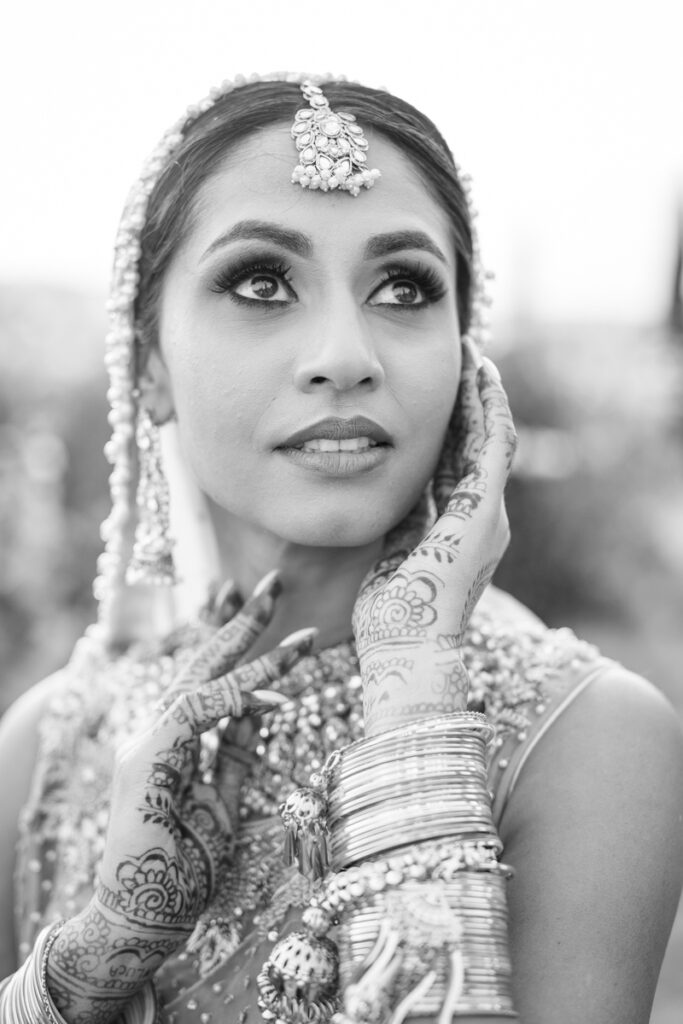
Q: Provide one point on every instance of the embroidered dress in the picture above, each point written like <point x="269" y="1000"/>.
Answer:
<point x="523" y="675"/>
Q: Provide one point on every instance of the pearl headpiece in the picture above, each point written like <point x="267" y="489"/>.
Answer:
<point x="332" y="147"/>
<point x="120" y="355"/>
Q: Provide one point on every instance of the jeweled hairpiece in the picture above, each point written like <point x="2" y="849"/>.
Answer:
<point x="332" y="147"/>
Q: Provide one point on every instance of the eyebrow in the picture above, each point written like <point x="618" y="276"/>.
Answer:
<point x="396" y="241"/>
<point x="300" y="244"/>
<point x="263" y="231"/>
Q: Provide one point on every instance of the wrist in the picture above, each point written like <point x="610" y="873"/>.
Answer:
<point x="424" y="682"/>
<point x="95" y="968"/>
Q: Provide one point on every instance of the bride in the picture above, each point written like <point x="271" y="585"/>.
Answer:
<point x="300" y="407"/>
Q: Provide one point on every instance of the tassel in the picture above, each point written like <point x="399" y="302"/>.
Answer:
<point x="455" y="987"/>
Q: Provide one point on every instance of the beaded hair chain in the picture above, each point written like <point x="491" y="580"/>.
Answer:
<point x="120" y="340"/>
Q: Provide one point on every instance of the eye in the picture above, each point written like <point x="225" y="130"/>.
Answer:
<point x="265" y="287"/>
<point x="402" y="293"/>
<point x="408" y="287"/>
<point x="256" y="283"/>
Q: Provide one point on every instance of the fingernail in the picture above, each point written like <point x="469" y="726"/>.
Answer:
<point x="262" y="700"/>
<point x="490" y="370"/>
<point x="228" y="602"/>
<point x="269" y="584"/>
<point x="472" y="350"/>
<point x="226" y="593"/>
<point x="300" y="641"/>
<point x="271" y="695"/>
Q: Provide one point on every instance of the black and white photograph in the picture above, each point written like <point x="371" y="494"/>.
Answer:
<point x="341" y="512"/>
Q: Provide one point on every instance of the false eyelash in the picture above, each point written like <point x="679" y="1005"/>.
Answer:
<point x="226" y="280"/>
<point x="428" y="279"/>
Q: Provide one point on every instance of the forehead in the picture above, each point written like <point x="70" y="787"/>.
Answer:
<point x="254" y="182"/>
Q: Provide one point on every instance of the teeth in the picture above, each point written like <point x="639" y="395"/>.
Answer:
<point x="349" y="444"/>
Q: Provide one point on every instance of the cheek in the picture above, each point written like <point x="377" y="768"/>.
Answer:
<point x="430" y="397"/>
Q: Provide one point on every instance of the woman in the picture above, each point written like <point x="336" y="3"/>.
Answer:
<point x="308" y="345"/>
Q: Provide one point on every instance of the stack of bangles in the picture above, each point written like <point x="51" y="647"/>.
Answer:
<point x="409" y="916"/>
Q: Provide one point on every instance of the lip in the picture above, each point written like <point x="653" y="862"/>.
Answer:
<point x="335" y="429"/>
<point x="340" y="464"/>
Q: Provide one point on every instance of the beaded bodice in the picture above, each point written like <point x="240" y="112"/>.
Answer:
<point x="519" y="671"/>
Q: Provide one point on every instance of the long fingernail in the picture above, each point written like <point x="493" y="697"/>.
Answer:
<point x="301" y="641"/>
<point x="228" y="602"/>
<point x="269" y="584"/>
<point x="490" y="370"/>
<point x="262" y="700"/>
<point x="472" y="351"/>
<point x="226" y="593"/>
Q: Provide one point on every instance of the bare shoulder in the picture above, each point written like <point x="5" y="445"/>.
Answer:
<point x="19" y="724"/>
<point x="19" y="737"/>
<point x="594" y="831"/>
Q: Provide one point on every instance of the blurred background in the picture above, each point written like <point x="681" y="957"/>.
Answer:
<point x="568" y="116"/>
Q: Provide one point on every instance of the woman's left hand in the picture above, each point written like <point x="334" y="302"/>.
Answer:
<point x="414" y="606"/>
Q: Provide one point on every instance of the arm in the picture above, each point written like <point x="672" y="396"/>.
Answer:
<point x="594" y="831"/>
<point x="18" y="752"/>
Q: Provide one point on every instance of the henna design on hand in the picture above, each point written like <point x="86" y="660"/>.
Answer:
<point x="454" y="562"/>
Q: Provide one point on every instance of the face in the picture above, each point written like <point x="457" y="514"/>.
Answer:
<point x="309" y="344"/>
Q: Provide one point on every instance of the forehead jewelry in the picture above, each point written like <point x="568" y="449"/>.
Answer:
<point x="332" y="147"/>
<point x="120" y="341"/>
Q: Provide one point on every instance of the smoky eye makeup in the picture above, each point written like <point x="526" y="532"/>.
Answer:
<point x="266" y="276"/>
<point x="408" y="285"/>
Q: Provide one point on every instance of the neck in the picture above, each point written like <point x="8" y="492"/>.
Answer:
<point x="319" y="585"/>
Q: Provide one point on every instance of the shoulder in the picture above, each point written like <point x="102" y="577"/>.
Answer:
<point x="19" y="723"/>
<point x="20" y="738"/>
<point x="594" y="830"/>
<point x="619" y="731"/>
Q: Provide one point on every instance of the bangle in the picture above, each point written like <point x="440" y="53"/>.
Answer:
<point x="25" y="996"/>
<point x="418" y="893"/>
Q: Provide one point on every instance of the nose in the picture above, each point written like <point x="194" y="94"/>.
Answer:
<point x="339" y="354"/>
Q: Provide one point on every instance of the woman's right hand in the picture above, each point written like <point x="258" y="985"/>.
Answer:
<point x="170" y="836"/>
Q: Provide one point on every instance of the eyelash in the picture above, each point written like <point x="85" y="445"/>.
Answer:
<point x="228" y="279"/>
<point x="425" y="277"/>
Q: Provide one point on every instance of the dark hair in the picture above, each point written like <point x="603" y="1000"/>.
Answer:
<point x="255" y="106"/>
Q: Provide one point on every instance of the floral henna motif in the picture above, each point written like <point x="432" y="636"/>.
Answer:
<point x="152" y="889"/>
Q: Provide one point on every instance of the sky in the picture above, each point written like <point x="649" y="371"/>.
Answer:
<point x="568" y="115"/>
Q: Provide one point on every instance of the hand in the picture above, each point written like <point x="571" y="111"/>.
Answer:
<point x="170" y="836"/>
<point x="414" y="605"/>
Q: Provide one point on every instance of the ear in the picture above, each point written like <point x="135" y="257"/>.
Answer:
<point x="156" y="394"/>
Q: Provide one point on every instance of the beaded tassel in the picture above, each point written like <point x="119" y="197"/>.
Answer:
<point x="152" y="560"/>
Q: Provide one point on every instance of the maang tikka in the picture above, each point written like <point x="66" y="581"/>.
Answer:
<point x="332" y="147"/>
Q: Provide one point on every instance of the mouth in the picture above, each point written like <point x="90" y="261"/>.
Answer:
<point x="357" y="434"/>
<point x="339" y="447"/>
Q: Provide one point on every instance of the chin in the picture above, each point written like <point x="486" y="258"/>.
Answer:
<point x="335" y="527"/>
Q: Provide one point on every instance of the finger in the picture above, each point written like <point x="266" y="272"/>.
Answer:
<point x="465" y="435"/>
<point x="228" y="602"/>
<point x="500" y="442"/>
<point x="270" y="667"/>
<point x="193" y="713"/>
<point x="233" y="640"/>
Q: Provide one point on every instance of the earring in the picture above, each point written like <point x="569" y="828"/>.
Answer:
<point x="152" y="559"/>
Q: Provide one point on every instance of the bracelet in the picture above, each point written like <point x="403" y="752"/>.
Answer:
<point x="417" y="893"/>
<point x="25" y="997"/>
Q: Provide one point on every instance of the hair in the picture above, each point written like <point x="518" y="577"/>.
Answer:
<point x="208" y="139"/>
